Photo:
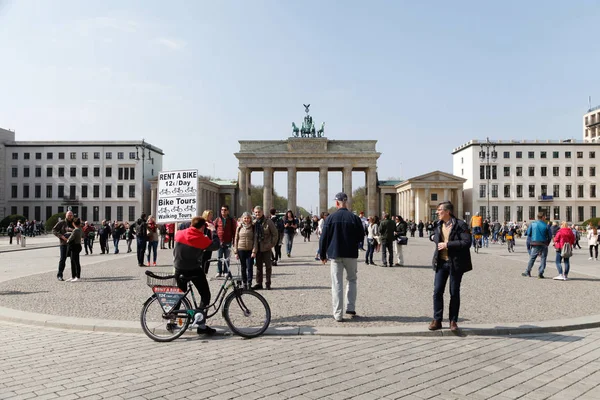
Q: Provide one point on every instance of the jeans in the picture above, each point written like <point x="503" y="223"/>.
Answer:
<point x="141" y="249"/>
<point x="567" y="262"/>
<point x="87" y="245"/>
<point x="370" y="250"/>
<point x="439" y="287"/>
<point x="152" y="247"/>
<point x="247" y="265"/>
<point x="116" y="244"/>
<point x="62" y="260"/>
<point x="104" y="245"/>
<point x="129" y="245"/>
<point x="387" y="251"/>
<point x="289" y="241"/>
<point x="171" y="240"/>
<point x="542" y="251"/>
<point x="486" y="240"/>
<point x="162" y="241"/>
<point x="398" y="251"/>
<point x="264" y="257"/>
<point x="495" y="236"/>
<point x="75" y="264"/>
<point x="595" y="247"/>
<point x="338" y="265"/>
<point x="224" y="252"/>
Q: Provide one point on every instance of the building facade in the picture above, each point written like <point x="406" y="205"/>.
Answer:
<point x="591" y="125"/>
<point x="97" y="179"/>
<point x="558" y="178"/>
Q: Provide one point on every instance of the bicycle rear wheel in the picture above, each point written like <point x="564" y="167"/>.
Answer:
<point x="247" y="314"/>
<point x="161" y="326"/>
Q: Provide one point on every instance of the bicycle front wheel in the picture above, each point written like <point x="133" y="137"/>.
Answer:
<point x="164" y="327"/>
<point x="247" y="314"/>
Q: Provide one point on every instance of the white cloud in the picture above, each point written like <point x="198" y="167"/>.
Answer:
<point x="171" y="43"/>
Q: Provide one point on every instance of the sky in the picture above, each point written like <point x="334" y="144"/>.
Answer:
<point x="194" y="77"/>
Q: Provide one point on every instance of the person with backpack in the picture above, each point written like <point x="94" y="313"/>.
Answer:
<point x="279" y="225"/>
<point x="141" y="234"/>
<point x="540" y="239"/>
<point x="563" y="243"/>
<point x="10" y="231"/>
<point x="103" y="234"/>
<point x="89" y="233"/>
<point x="163" y="234"/>
<point x="117" y="233"/>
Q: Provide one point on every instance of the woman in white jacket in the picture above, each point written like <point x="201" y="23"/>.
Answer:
<point x="372" y="239"/>
<point x="593" y="242"/>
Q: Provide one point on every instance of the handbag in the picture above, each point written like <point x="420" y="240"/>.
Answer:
<point x="402" y="240"/>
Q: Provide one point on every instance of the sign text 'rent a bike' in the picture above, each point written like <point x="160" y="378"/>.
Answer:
<point x="177" y="191"/>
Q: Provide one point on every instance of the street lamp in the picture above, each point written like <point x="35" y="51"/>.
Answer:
<point x="143" y="146"/>
<point x="485" y="156"/>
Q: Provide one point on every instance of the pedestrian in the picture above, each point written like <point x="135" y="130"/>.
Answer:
<point x="400" y="231"/>
<point x="117" y="233"/>
<point x="290" y="224"/>
<point x="74" y="248"/>
<point x="324" y="215"/>
<point x="209" y="231"/>
<point x="476" y="226"/>
<point x="141" y="236"/>
<point x="365" y="222"/>
<point x="278" y="221"/>
<point x="163" y="234"/>
<point x="342" y="231"/>
<point x="540" y="239"/>
<point x="564" y="235"/>
<point x="243" y="248"/>
<point x="62" y="230"/>
<point x="88" y="232"/>
<point x="577" y="235"/>
<point x="306" y="228"/>
<point x="451" y="258"/>
<point x="103" y="233"/>
<point x="386" y="235"/>
<point x="592" y="237"/>
<point x="486" y="233"/>
<point x="18" y="232"/>
<point x="265" y="237"/>
<point x="171" y="233"/>
<point x="372" y="239"/>
<point x="225" y="228"/>
<point x="10" y="231"/>
<point x="129" y="235"/>
<point x="420" y="227"/>
<point x="153" y="234"/>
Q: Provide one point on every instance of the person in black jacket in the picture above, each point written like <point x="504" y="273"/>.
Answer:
<point x="141" y="235"/>
<point x="451" y="258"/>
<point x="400" y="230"/>
<point x="387" y="228"/>
<point x="341" y="233"/>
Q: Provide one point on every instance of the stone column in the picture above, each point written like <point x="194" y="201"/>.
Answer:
<point x="427" y="205"/>
<point x="411" y="205"/>
<point x="446" y="195"/>
<point x="243" y="185"/>
<point x="371" y="179"/>
<point x="153" y="202"/>
<point x="347" y="184"/>
<point x="323" y="189"/>
<point x="459" y="195"/>
<point x="292" y="189"/>
<point x="267" y="189"/>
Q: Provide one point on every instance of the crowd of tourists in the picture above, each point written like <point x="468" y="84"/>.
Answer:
<point x="28" y="228"/>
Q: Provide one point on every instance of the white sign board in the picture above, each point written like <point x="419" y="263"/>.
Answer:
<point x="177" y="191"/>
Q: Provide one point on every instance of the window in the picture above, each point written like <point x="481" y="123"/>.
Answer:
<point x="84" y="191"/>
<point x="84" y="155"/>
<point x="84" y="172"/>
<point x="48" y="191"/>
<point x="13" y="192"/>
<point x="108" y="155"/>
<point x="49" y="172"/>
<point x="25" y="172"/>
<point x="61" y="171"/>
<point x="49" y="156"/>
<point x="507" y="213"/>
<point x="494" y="213"/>
<point x="494" y="172"/>
<point x="48" y="212"/>
<point x="132" y="173"/>
<point x="61" y="156"/>
<point x="519" y="213"/>
<point x="555" y="171"/>
<point x="73" y="172"/>
<point x="26" y="211"/>
<point x="519" y="171"/>
<point x="531" y="171"/>
<point x="519" y="190"/>
<point x="482" y="172"/>
<point x="580" y="191"/>
<point x="38" y="172"/>
<point x="531" y="212"/>
<point x="61" y="191"/>
<point x="556" y="211"/>
<point x="107" y="213"/>
<point x="434" y="196"/>
<point x="38" y="156"/>
<point x="542" y="154"/>
<point x="567" y="171"/>
<point x="108" y="173"/>
<point x="120" y="156"/>
<point x="73" y="155"/>
<point x="37" y="193"/>
<point x="544" y="171"/>
<point x="531" y="190"/>
<point x="580" y="213"/>
<point x="120" y="192"/>
<point x="126" y="173"/>
<point x="580" y="154"/>
<point x="482" y="189"/>
<point x="506" y="171"/>
<point x="530" y="154"/>
<point x="96" y="193"/>
<point x="555" y="154"/>
<point x="72" y="192"/>
<point x="132" y="157"/>
<point x="13" y="210"/>
<point x="61" y="209"/>
<point x="96" y="171"/>
<point x="593" y="190"/>
<point x="482" y="210"/>
<point x="15" y="172"/>
<point x="84" y="214"/>
<point x="495" y="191"/>
<point x="131" y="213"/>
<point x="592" y="211"/>
<point x="15" y="156"/>
<point x="592" y="154"/>
<point x="544" y="190"/>
<point x="579" y="171"/>
<point x="108" y="191"/>
<point x="569" y="212"/>
<point x="26" y="156"/>
<point x="556" y="191"/>
<point x="567" y="154"/>
<point x="131" y="193"/>
<point x="96" y="214"/>
<point x="119" y="213"/>
<point x="592" y="171"/>
<point x="506" y="190"/>
<point x="519" y="154"/>
<point x="568" y="193"/>
<point x="96" y="157"/>
<point x="507" y="154"/>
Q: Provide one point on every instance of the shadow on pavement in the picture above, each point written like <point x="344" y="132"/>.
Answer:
<point x="18" y="292"/>
<point x="301" y="287"/>
<point x="112" y="279"/>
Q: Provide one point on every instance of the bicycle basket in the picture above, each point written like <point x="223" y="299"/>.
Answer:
<point x="235" y="267"/>
<point x="150" y="281"/>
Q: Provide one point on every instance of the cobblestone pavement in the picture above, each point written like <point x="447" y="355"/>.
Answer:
<point x="53" y="363"/>
<point x="113" y="288"/>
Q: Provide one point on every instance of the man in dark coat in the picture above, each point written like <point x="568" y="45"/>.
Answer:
<point x="451" y="258"/>
<point x="387" y="227"/>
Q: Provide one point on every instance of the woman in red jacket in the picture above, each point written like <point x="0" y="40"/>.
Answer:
<point x="564" y="235"/>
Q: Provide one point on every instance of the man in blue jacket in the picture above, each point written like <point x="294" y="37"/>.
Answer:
<point x="540" y="239"/>
<point x="342" y="231"/>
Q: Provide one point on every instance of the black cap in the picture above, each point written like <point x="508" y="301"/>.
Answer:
<point x="341" y="196"/>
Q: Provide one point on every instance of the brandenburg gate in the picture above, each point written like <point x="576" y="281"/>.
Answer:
<point x="307" y="150"/>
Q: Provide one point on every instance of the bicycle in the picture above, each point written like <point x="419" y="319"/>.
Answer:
<point x="168" y="313"/>
<point x="511" y="243"/>
<point x="477" y="243"/>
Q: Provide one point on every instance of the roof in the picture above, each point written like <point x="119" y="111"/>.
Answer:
<point x="388" y="183"/>
<point x="536" y="142"/>
<point x="86" y="143"/>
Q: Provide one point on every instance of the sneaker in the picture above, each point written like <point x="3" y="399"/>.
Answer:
<point x="207" y="330"/>
<point x="565" y="278"/>
<point x="540" y="276"/>
<point x="155" y="264"/>
<point x="353" y="313"/>
<point x="397" y="265"/>
<point x="383" y="265"/>
<point x="74" y="280"/>
<point x="526" y="274"/>
<point x="69" y="280"/>
<point x="366" y="262"/>
<point x="218" y="275"/>
<point x="268" y="287"/>
<point x="558" y="278"/>
<point x="60" y="278"/>
<point x="591" y="258"/>
<point x="317" y="259"/>
<point x="148" y="263"/>
<point x="340" y="319"/>
<point x="245" y="286"/>
<point x="274" y="263"/>
<point x="258" y="286"/>
<point x="289" y="254"/>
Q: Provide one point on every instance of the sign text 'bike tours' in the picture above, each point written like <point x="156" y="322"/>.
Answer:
<point x="177" y="191"/>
